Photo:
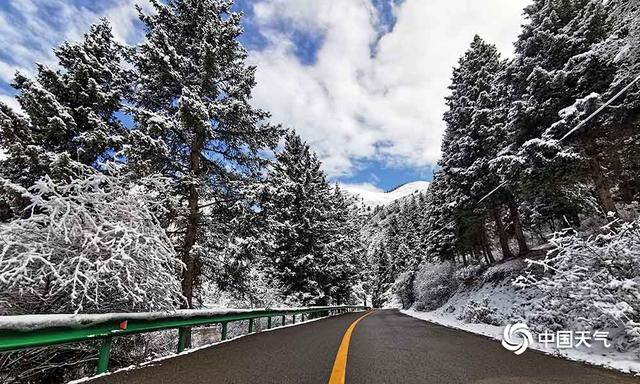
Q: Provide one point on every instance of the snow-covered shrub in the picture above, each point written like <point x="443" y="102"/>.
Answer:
<point x="480" y="312"/>
<point x="590" y="283"/>
<point x="87" y="245"/>
<point x="433" y="285"/>
<point x="403" y="289"/>
<point x="260" y="292"/>
<point x="467" y="273"/>
<point x="502" y="270"/>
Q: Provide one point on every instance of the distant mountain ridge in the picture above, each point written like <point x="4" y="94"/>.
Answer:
<point x="372" y="197"/>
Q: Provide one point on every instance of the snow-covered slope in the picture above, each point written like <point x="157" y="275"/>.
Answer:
<point x="493" y="294"/>
<point x="372" y="196"/>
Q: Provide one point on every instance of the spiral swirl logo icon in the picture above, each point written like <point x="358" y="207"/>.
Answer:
<point x="517" y="338"/>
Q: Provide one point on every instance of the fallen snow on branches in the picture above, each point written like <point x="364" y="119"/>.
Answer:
<point x="88" y="244"/>
<point x="590" y="283"/>
<point x="583" y="284"/>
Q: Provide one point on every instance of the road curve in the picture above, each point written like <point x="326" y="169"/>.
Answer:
<point x="386" y="347"/>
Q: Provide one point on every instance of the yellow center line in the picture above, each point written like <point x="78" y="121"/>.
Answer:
<point x="339" y="371"/>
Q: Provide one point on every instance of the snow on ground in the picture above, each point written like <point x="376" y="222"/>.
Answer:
<point x="604" y="357"/>
<point x="372" y="196"/>
<point x="511" y="305"/>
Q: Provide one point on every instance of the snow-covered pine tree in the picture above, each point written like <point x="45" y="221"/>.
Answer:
<point x="439" y="231"/>
<point x="315" y="246"/>
<point x="540" y="87"/>
<point x="382" y="281"/>
<point x="345" y="252"/>
<point x="70" y="114"/>
<point x="624" y="118"/>
<point x="296" y="204"/>
<point x="196" y="126"/>
<point x="472" y="139"/>
<point x="610" y="141"/>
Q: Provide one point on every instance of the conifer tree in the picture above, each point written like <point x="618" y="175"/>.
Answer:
<point x="380" y="265"/>
<point x="610" y="139"/>
<point x="471" y="141"/>
<point x="541" y="86"/>
<point x="195" y="125"/>
<point x="315" y="247"/>
<point x="345" y="251"/>
<point x="70" y="114"/>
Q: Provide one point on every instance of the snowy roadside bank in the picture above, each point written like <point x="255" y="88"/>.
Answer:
<point x="609" y="358"/>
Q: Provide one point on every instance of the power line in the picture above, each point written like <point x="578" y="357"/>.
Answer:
<point x="605" y="105"/>
<point x="582" y="123"/>
<point x="576" y="128"/>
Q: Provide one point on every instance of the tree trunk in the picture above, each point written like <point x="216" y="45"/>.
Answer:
<point x="502" y="235"/>
<point x="189" y="274"/>
<point x="602" y="187"/>
<point x="523" y="248"/>
<point x="486" y="246"/>
<point x="477" y="252"/>
<point x="483" y="252"/>
<point x="596" y="172"/>
<point x="626" y="190"/>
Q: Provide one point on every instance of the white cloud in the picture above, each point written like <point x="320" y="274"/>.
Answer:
<point x="11" y="102"/>
<point x="350" y="105"/>
<point x="31" y="40"/>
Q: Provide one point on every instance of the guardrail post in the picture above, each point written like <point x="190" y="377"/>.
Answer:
<point x="182" y="338"/>
<point x="283" y="320"/>
<point x="250" y="325"/>
<point x="103" y="356"/>
<point x="223" y="334"/>
<point x="302" y="317"/>
<point x="294" y="319"/>
<point x="269" y="322"/>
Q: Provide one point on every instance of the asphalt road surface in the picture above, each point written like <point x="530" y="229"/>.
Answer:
<point x="386" y="347"/>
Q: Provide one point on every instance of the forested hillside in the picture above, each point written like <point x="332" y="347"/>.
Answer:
<point x="540" y="161"/>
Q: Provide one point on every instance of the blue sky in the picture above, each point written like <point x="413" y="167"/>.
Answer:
<point x="361" y="80"/>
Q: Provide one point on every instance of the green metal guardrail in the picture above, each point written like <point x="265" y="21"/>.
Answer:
<point x="48" y="330"/>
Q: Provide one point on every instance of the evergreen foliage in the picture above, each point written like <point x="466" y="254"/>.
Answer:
<point x="506" y="125"/>
<point x="70" y="115"/>
<point x="315" y="248"/>
<point x="196" y="126"/>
